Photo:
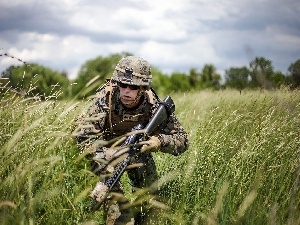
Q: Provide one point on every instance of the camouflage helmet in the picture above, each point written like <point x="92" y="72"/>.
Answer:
<point x="133" y="70"/>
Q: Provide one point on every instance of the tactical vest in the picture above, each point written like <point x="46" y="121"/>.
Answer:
<point x="121" y="120"/>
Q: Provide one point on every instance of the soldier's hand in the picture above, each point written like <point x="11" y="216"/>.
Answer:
<point x="152" y="145"/>
<point x="109" y="153"/>
<point x="100" y="192"/>
<point x="104" y="153"/>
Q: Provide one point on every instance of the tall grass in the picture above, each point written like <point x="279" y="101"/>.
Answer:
<point x="39" y="175"/>
<point x="242" y="166"/>
<point x="243" y="163"/>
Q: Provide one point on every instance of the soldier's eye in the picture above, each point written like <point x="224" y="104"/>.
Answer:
<point x="131" y="87"/>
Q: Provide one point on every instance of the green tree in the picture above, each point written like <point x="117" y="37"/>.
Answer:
<point x="195" y="79"/>
<point x="294" y="74"/>
<point x="262" y="72"/>
<point x="278" y="78"/>
<point x="161" y="83"/>
<point x="180" y="82"/>
<point x="209" y="77"/>
<point x="237" y="77"/>
<point x="36" y="80"/>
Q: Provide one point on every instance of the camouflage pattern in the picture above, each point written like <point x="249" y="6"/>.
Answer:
<point x="118" y="212"/>
<point x="134" y="71"/>
<point x="107" y="119"/>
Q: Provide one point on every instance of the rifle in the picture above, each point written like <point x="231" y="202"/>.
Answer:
<point x="102" y="189"/>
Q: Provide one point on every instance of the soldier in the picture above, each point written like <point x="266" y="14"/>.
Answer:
<point x="124" y="101"/>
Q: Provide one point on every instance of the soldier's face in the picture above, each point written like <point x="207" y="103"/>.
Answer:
<point x="128" y="96"/>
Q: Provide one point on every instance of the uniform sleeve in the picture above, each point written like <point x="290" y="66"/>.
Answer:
<point x="173" y="138"/>
<point x="90" y="125"/>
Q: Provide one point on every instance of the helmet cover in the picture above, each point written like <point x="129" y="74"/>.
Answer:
<point x="133" y="70"/>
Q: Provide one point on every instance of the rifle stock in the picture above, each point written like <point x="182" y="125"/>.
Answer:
<point x="102" y="189"/>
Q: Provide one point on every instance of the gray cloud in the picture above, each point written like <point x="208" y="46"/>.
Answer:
<point x="173" y="35"/>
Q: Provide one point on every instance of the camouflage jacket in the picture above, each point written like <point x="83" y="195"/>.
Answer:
<point x="107" y="118"/>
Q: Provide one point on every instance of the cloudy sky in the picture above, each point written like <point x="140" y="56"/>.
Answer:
<point x="173" y="35"/>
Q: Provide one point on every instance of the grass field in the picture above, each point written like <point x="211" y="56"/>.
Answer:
<point x="242" y="166"/>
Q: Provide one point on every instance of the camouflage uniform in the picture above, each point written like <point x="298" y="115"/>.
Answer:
<point x="106" y="119"/>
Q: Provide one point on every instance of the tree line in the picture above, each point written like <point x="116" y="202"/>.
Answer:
<point x="37" y="80"/>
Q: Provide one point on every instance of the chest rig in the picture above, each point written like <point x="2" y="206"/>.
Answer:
<point x="121" y="120"/>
